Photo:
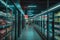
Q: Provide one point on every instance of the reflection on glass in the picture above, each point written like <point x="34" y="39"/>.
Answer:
<point x="45" y="23"/>
<point x="50" y="25"/>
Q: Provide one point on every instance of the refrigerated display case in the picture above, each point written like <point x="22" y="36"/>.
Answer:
<point x="43" y="28"/>
<point x="5" y="24"/>
<point x="57" y="25"/>
<point x="6" y="21"/>
<point x="40" y="24"/>
<point x="45" y="24"/>
<point x="50" y="23"/>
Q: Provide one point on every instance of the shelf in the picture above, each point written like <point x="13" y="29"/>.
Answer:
<point x="50" y="20"/>
<point x="57" y="37"/>
<point x="50" y="31"/>
<point x="57" y="31"/>
<point x="7" y="34"/>
<point x="57" y="26"/>
<point x="57" y="23"/>
<point x="5" y="26"/>
<point x="57" y="17"/>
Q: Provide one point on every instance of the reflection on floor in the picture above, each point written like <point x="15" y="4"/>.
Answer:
<point x="29" y="34"/>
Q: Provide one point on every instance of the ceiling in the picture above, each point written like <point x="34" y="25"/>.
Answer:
<point x="41" y="5"/>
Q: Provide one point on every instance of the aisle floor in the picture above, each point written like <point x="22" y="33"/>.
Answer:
<point x="29" y="34"/>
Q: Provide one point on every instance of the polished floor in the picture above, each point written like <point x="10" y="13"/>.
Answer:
<point x="29" y="34"/>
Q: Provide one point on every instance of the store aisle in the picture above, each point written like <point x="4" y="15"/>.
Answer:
<point x="29" y="34"/>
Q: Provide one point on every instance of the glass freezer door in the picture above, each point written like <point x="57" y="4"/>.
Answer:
<point x="50" y="20"/>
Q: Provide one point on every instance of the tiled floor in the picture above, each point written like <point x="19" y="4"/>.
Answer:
<point x="29" y="34"/>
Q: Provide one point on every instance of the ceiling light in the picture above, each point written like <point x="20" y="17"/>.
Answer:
<point x="31" y="6"/>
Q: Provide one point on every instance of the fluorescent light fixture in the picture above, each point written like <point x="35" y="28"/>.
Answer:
<point x="4" y="3"/>
<point x="30" y="11"/>
<point x="32" y="6"/>
<point x="17" y="5"/>
<point x="31" y="15"/>
<point x="20" y="9"/>
<point x="53" y="8"/>
<point x="11" y="6"/>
